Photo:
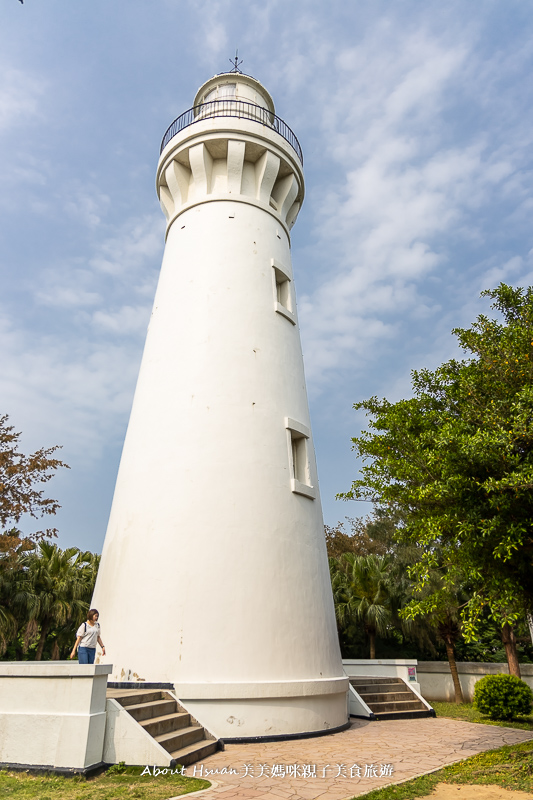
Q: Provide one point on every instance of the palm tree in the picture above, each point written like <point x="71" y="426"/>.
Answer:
<point x="8" y="620"/>
<point x="363" y="593"/>
<point x="55" y="591"/>
<point x="442" y="615"/>
<point x="13" y="546"/>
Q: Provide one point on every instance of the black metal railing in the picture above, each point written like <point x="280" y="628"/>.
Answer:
<point x="233" y="108"/>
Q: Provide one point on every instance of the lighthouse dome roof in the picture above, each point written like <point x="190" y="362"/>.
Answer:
<point x="234" y="85"/>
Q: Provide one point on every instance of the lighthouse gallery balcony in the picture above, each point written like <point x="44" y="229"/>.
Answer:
<point x="233" y="108"/>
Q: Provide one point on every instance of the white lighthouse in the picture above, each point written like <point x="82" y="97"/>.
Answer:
<point x="214" y="574"/>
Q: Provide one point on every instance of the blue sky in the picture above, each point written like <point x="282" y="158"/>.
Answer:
<point x="416" y="123"/>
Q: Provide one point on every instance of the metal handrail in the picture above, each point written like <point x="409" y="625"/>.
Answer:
<point x="233" y="108"/>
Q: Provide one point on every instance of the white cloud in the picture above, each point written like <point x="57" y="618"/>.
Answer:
<point x="136" y="243"/>
<point x="20" y="93"/>
<point x="211" y="29"/>
<point x="123" y="264"/>
<point x="125" y="321"/>
<point x="67" y="296"/>
<point x="402" y="197"/>
<point x="505" y="272"/>
<point x="58" y="391"/>
<point x="87" y="204"/>
<point x="71" y="376"/>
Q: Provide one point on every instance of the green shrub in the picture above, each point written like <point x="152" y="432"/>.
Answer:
<point x="502" y="697"/>
<point x="117" y="769"/>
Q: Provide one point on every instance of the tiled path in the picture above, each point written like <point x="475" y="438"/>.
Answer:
<point x="412" y="747"/>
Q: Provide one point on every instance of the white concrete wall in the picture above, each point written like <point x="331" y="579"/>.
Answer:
<point x="214" y="570"/>
<point x="126" y="740"/>
<point x="356" y="705"/>
<point x="52" y="713"/>
<point x="436" y="681"/>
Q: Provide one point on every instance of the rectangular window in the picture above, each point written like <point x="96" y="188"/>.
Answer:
<point x="298" y="438"/>
<point x="226" y="90"/>
<point x="283" y="295"/>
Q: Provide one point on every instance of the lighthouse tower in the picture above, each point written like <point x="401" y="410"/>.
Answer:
<point x="214" y="574"/>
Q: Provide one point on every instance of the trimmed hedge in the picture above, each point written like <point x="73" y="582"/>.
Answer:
<point x="503" y="697"/>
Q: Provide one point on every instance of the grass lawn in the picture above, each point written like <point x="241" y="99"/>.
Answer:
<point x="510" y="767"/>
<point x="468" y="713"/>
<point x="22" y="786"/>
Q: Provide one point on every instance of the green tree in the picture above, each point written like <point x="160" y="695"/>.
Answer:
<point x="55" y="591"/>
<point x="455" y="464"/>
<point x="367" y="537"/>
<point x="13" y="549"/>
<point x="362" y="593"/>
<point x="20" y="476"/>
<point x="444" y="619"/>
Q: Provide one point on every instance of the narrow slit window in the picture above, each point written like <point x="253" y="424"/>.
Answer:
<point x="283" y="296"/>
<point x="283" y="290"/>
<point x="300" y="472"/>
<point x="300" y="468"/>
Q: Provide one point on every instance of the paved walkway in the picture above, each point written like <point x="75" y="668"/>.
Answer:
<point x="343" y="765"/>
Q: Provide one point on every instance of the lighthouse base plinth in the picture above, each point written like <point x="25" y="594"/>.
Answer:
<point x="262" y="710"/>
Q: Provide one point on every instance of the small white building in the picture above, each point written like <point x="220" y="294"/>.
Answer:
<point x="214" y="575"/>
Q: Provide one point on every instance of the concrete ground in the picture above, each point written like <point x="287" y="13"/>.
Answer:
<point x="366" y="756"/>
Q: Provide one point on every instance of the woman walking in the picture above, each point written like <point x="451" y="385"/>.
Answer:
<point x="88" y="634"/>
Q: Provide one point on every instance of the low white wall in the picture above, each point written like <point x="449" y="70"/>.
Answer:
<point x="405" y="668"/>
<point x="126" y="740"/>
<point x="356" y="705"/>
<point x="436" y="680"/>
<point x="52" y="713"/>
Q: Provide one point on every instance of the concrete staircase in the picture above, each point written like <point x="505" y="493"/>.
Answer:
<point x="390" y="698"/>
<point x="159" y="714"/>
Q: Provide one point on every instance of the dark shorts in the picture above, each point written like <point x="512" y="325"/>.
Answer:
<point x="86" y="655"/>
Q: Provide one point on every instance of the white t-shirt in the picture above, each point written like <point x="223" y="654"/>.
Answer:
<point x="89" y="634"/>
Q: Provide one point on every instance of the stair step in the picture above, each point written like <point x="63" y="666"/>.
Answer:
<point x="156" y="708"/>
<point x="385" y="697"/>
<point x="166" y="723"/>
<point x="195" y="752"/>
<point x="159" y="714"/>
<point x="390" y="698"/>
<point x="130" y="697"/>
<point x="370" y="688"/>
<point x="370" y="680"/>
<point x="177" y="740"/>
<point x="400" y="705"/>
<point x="406" y="714"/>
